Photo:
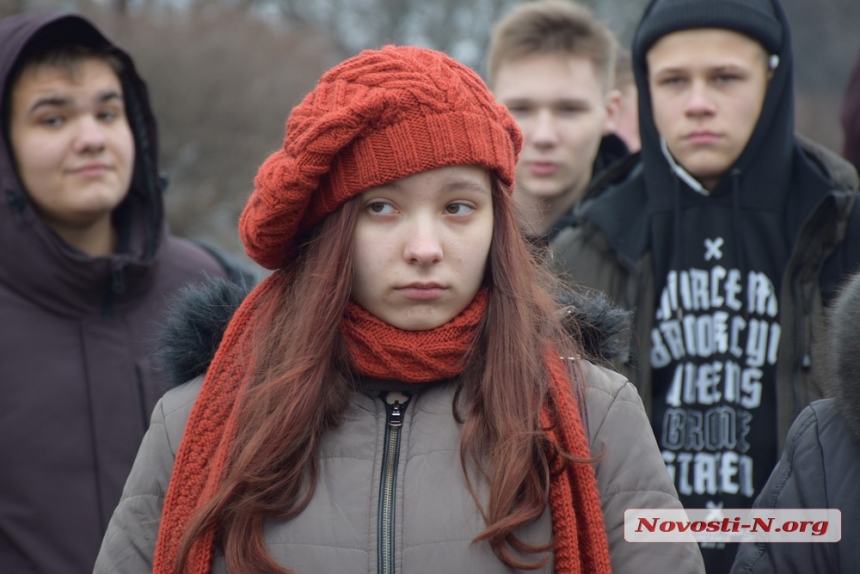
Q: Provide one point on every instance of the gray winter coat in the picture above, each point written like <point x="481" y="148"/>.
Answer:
<point x="820" y="466"/>
<point x="434" y="516"/>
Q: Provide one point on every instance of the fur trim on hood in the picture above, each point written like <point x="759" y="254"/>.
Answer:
<point x="199" y="315"/>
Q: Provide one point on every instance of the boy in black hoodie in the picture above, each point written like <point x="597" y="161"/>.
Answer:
<point x="727" y="237"/>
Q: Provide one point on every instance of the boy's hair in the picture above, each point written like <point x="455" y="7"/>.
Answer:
<point x="46" y="50"/>
<point x="553" y="27"/>
<point x="65" y="56"/>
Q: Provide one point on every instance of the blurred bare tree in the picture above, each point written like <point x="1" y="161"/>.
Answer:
<point x="826" y="44"/>
<point x="9" y="7"/>
<point x="222" y="84"/>
<point x="459" y="28"/>
<point x="224" y="73"/>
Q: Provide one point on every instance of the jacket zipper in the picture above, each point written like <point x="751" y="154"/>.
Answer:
<point x="802" y="315"/>
<point x="395" y="407"/>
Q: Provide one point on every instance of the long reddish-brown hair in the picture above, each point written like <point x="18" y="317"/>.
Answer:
<point x="300" y="388"/>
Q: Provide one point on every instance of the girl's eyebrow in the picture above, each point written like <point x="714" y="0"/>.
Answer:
<point x="464" y="185"/>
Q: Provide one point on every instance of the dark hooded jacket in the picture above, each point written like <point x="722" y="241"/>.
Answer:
<point x="775" y="235"/>
<point x="611" y="250"/>
<point x="76" y="334"/>
<point x="820" y="466"/>
<point x="612" y="150"/>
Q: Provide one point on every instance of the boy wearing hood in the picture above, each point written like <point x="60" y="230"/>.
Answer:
<point x="552" y="63"/>
<point x="86" y="265"/>
<point x="727" y="237"/>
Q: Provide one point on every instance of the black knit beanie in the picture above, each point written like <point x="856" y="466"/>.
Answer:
<point x="753" y="18"/>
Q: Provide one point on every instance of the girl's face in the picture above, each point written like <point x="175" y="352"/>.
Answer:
<point x="421" y="245"/>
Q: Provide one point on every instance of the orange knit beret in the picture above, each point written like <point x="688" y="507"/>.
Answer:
<point x="379" y="116"/>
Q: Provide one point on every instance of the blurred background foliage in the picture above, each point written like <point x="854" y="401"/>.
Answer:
<point x="224" y="74"/>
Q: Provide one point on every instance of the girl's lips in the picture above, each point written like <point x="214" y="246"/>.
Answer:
<point x="421" y="292"/>
<point x="542" y="168"/>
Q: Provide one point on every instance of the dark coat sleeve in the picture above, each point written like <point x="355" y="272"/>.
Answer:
<point x="820" y="456"/>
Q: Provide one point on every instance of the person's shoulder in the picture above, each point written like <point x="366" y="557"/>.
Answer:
<point x="604" y="382"/>
<point x="806" y="426"/>
<point x="175" y="407"/>
<point x="180" y="398"/>
<point x="183" y="256"/>
<point x="607" y="391"/>
<point x="617" y="176"/>
<point x="180" y="254"/>
<point x="821" y="433"/>
<point x="832" y="165"/>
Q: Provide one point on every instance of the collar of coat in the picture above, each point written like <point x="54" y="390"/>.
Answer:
<point x="200" y="314"/>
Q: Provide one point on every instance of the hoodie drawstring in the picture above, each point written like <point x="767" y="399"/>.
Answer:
<point x="677" y="231"/>
<point x="738" y="231"/>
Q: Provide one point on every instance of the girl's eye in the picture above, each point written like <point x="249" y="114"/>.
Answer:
<point x="380" y="207"/>
<point x="519" y="110"/>
<point x="458" y="209"/>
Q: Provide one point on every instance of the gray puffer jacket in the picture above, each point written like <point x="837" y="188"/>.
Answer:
<point x="433" y="516"/>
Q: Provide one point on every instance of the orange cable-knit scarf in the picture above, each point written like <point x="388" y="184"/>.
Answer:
<point x="381" y="351"/>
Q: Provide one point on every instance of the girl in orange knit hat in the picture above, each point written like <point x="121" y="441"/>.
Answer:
<point x="400" y="395"/>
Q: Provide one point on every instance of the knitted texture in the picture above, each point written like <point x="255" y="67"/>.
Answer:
<point x="375" y="118"/>
<point x="753" y="18"/>
<point x="202" y="455"/>
<point x="384" y="352"/>
<point x="577" y="517"/>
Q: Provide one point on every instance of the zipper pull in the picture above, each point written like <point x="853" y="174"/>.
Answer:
<point x="396" y="405"/>
<point x="16" y="203"/>
<point x="396" y="419"/>
<point x="118" y="280"/>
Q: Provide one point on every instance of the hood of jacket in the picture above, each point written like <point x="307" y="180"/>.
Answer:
<point x="841" y="361"/>
<point x="760" y="168"/>
<point x="34" y="261"/>
<point x="777" y="170"/>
